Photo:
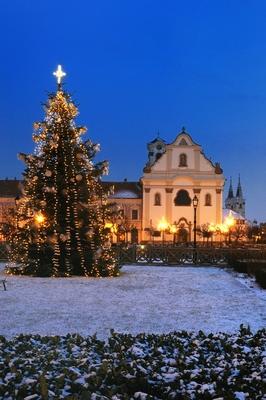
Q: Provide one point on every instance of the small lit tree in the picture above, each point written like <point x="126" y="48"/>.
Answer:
<point x="239" y="232"/>
<point x="60" y="217"/>
<point x="205" y="232"/>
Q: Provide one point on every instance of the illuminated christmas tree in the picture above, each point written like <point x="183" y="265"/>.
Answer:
<point x="60" y="217"/>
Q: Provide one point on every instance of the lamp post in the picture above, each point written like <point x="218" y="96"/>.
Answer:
<point x="162" y="226"/>
<point x="112" y="228"/>
<point x="229" y="222"/>
<point x="173" y="230"/>
<point x="195" y="203"/>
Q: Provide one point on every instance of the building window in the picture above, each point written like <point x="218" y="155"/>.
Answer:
<point x="183" y="160"/>
<point x="208" y="200"/>
<point x="157" y="199"/>
<point x="134" y="214"/>
<point x="182" y="198"/>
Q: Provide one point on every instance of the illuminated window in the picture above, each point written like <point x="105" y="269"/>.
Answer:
<point x="157" y="199"/>
<point x="208" y="200"/>
<point x="183" y="160"/>
<point x="182" y="198"/>
<point x="134" y="214"/>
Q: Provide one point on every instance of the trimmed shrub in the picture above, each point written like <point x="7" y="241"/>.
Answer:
<point x="251" y="266"/>
<point x="260" y="276"/>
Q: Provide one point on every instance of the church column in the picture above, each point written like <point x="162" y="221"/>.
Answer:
<point x="146" y="209"/>
<point x="197" y="193"/>
<point x="169" y="205"/>
<point x="219" y="216"/>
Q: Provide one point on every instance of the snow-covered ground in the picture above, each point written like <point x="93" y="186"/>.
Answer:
<point x="143" y="299"/>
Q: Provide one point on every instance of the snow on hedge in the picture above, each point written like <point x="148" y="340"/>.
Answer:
<point x="143" y="299"/>
<point x="179" y="365"/>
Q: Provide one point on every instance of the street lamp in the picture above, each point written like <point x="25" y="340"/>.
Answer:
<point x="195" y="203"/>
<point x="39" y="219"/>
<point x="173" y="230"/>
<point x="162" y="226"/>
<point x="229" y="222"/>
<point x="112" y="228"/>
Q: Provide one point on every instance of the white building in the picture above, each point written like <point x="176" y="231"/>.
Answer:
<point x="172" y="178"/>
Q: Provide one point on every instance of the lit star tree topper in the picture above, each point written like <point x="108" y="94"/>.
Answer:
<point x="59" y="74"/>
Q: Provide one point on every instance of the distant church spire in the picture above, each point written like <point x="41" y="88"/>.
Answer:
<point x="239" y="192"/>
<point x="236" y="203"/>
<point x="230" y="191"/>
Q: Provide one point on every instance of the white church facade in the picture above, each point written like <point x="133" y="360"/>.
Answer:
<point x="174" y="174"/>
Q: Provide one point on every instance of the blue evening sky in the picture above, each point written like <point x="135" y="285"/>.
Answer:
<point x="136" y="67"/>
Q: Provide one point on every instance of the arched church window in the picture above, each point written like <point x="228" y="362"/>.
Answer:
<point x="208" y="199"/>
<point x="157" y="199"/>
<point x="183" y="160"/>
<point x="182" y="198"/>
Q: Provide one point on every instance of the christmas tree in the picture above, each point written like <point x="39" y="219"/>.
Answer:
<point x="60" y="218"/>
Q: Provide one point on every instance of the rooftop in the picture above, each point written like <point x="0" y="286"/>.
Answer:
<point x="124" y="190"/>
<point x="9" y="187"/>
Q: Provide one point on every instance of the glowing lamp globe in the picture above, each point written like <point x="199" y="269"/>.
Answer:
<point x="39" y="218"/>
<point x="230" y="221"/>
<point x="163" y="224"/>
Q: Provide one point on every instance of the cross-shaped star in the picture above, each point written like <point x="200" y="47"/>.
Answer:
<point x="59" y="73"/>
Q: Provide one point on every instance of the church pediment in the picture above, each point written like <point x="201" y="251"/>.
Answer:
<point x="184" y="139"/>
<point x="182" y="158"/>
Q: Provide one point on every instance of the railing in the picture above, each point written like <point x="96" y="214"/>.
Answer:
<point x="172" y="255"/>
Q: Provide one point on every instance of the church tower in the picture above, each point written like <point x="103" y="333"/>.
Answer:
<point x="236" y="203"/>
<point x="239" y="200"/>
<point x="229" y="201"/>
<point x="155" y="149"/>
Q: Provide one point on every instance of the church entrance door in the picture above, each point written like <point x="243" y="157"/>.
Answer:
<point x="183" y="234"/>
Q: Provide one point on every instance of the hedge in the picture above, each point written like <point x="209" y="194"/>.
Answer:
<point x="253" y="267"/>
<point x="178" y="365"/>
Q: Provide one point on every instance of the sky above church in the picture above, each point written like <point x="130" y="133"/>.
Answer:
<point x="138" y="67"/>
